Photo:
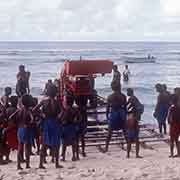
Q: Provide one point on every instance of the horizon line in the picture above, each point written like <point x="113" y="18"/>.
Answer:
<point x="75" y="41"/>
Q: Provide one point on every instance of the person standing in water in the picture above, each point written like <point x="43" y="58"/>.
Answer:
<point x="116" y="75"/>
<point x="126" y="74"/>
<point x="161" y="109"/>
<point x="22" y="86"/>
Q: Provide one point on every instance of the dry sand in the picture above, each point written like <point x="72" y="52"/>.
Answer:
<point x="97" y="166"/>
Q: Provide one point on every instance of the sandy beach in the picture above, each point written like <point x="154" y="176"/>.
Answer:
<point x="97" y="166"/>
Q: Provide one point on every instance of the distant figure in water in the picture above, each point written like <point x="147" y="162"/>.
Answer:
<point x="116" y="75"/>
<point x="49" y="84"/>
<point x="22" y="86"/>
<point x="162" y="106"/>
<point x="126" y="74"/>
<point x="174" y="122"/>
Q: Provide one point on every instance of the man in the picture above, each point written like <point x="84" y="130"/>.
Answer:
<point x="162" y="106"/>
<point x="126" y="74"/>
<point x="116" y="112"/>
<point x="116" y="75"/>
<point x="134" y="109"/>
<point x="22" y="86"/>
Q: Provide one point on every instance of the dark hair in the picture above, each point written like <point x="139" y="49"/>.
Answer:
<point x="51" y="91"/>
<point x="8" y="90"/>
<point x="27" y="100"/>
<point x="177" y="91"/>
<point x="159" y="87"/>
<point x="34" y="101"/>
<point x="115" y="86"/>
<point x="130" y="91"/>
<point x="164" y="86"/>
<point x="21" y="67"/>
<point x="115" y="67"/>
<point x="174" y="99"/>
<point x="14" y="101"/>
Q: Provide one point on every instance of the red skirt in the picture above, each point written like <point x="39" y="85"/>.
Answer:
<point x="174" y="130"/>
<point x="12" y="140"/>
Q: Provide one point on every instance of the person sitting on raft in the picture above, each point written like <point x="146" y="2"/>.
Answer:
<point x="174" y="122"/>
<point x="5" y="99"/>
<point x="161" y="109"/>
<point x="50" y="126"/>
<point x="22" y="86"/>
<point x="134" y="109"/>
<point x="126" y="74"/>
<point x="24" y="119"/>
<point x="68" y="119"/>
<point x="116" y="112"/>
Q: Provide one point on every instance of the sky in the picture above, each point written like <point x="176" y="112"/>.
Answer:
<point x="97" y="20"/>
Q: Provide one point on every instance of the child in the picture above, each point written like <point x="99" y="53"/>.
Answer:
<point x="68" y="121"/>
<point x="24" y="120"/>
<point x="133" y="119"/>
<point x="10" y="132"/>
<point x="174" y="122"/>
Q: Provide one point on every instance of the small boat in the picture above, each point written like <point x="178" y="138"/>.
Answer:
<point x="140" y="59"/>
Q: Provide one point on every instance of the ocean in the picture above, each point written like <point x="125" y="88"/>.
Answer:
<point x="45" y="59"/>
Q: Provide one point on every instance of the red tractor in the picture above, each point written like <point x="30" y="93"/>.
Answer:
<point x="77" y="79"/>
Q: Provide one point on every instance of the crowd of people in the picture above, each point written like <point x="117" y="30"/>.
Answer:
<point x="26" y="123"/>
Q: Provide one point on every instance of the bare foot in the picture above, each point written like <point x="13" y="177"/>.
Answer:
<point x="139" y="157"/>
<point x="59" y="166"/>
<point x="74" y="159"/>
<point x="19" y="168"/>
<point x="41" y="167"/>
<point x="176" y="156"/>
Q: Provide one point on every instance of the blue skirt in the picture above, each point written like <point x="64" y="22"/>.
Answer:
<point x="132" y="134"/>
<point x="51" y="132"/>
<point x="69" y="134"/>
<point x="117" y="119"/>
<point x="162" y="114"/>
<point x="25" y="136"/>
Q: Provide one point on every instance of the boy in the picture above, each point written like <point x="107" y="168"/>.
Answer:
<point x="50" y="126"/>
<point x="134" y="111"/>
<point x="24" y="120"/>
<point x="116" y="112"/>
<point x="68" y="119"/>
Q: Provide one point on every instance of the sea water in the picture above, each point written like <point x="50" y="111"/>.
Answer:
<point x="45" y="59"/>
